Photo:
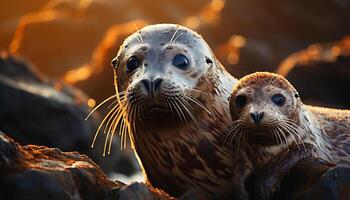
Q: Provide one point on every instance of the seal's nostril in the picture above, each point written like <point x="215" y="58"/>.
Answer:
<point x="146" y="86"/>
<point x="156" y="84"/>
<point x="257" y="116"/>
<point x="260" y="116"/>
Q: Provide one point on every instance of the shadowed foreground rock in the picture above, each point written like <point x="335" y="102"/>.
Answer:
<point x="38" y="172"/>
<point x="315" y="179"/>
<point x="36" y="110"/>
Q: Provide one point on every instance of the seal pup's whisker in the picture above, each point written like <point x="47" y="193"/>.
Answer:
<point x="172" y="37"/>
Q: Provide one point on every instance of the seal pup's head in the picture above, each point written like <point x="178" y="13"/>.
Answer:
<point x="265" y="110"/>
<point x="160" y="72"/>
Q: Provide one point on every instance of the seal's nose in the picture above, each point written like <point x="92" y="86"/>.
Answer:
<point x="257" y="116"/>
<point x="156" y="83"/>
<point x="151" y="87"/>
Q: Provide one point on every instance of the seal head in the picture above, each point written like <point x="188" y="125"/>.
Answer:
<point x="263" y="106"/>
<point x="159" y="68"/>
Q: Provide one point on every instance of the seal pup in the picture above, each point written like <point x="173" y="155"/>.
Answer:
<point x="172" y="100"/>
<point x="272" y="126"/>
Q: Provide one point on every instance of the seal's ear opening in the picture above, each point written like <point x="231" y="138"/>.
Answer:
<point x="114" y="62"/>
<point x="208" y="60"/>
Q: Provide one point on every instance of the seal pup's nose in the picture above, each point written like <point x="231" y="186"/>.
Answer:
<point x="257" y="116"/>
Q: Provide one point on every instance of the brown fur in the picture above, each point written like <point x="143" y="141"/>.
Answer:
<point x="320" y="132"/>
<point x="175" y="155"/>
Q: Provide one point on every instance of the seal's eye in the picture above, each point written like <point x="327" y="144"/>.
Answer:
<point x="180" y="61"/>
<point x="278" y="99"/>
<point x="241" y="101"/>
<point x="132" y="64"/>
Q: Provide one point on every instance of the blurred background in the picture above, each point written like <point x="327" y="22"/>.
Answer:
<point x="55" y="58"/>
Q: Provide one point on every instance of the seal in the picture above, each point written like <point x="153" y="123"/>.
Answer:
<point x="270" y="122"/>
<point x="172" y="96"/>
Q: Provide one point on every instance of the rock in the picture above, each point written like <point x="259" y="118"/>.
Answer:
<point x="321" y="73"/>
<point x="79" y="27"/>
<point x="36" y="110"/>
<point x="38" y="172"/>
<point x="275" y="29"/>
<point x="194" y="194"/>
<point x="142" y="191"/>
<point x="316" y="179"/>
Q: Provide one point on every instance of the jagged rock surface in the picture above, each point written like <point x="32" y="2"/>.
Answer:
<point x="35" y="110"/>
<point x="38" y="172"/>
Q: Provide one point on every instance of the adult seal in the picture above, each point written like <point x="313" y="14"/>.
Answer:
<point x="173" y="98"/>
<point x="276" y="130"/>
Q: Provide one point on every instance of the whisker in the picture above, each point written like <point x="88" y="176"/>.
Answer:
<point x="172" y="37"/>
<point x="99" y="105"/>
<point x="140" y="40"/>
<point x="189" y="112"/>
<point x="198" y="103"/>
<point x="100" y="126"/>
<point x="177" y="37"/>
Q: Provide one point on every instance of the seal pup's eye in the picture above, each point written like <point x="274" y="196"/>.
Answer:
<point x="180" y="61"/>
<point x="132" y="64"/>
<point x="278" y="99"/>
<point x="241" y="101"/>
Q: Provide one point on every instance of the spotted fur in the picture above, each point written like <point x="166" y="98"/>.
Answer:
<point x="177" y="155"/>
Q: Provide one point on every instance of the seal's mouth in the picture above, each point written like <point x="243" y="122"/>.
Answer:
<point x="156" y="113"/>
<point x="262" y="138"/>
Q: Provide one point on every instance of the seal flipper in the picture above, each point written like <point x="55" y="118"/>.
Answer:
<point x="267" y="180"/>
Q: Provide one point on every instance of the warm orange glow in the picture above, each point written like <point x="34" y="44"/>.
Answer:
<point x="75" y="75"/>
<point x="315" y="53"/>
<point x="91" y="103"/>
<point x="335" y="51"/>
<point x="42" y="16"/>
<point x="232" y="58"/>
<point x="58" y="86"/>
<point x="217" y="5"/>
<point x="84" y="3"/>
<point x="238" y="41"/>
<point x="192" y="22"/>
<point x="100" y="54"/>
<point x="314" y="49"/>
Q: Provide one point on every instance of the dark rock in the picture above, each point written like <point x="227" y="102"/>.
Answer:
<point x="275" y="29"/>
<point x="38" y="172"/>
<point x="321" y="73"/>
<point x="194" y="194"/>
<point x="35" y="110"/>
<point x="316" y="179"/>
<point x="303" y="178"/>
<point x="142" y="191"/>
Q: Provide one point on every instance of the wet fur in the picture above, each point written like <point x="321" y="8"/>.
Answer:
<point x="188" y="151"/>
<point x="318" y="132"/>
